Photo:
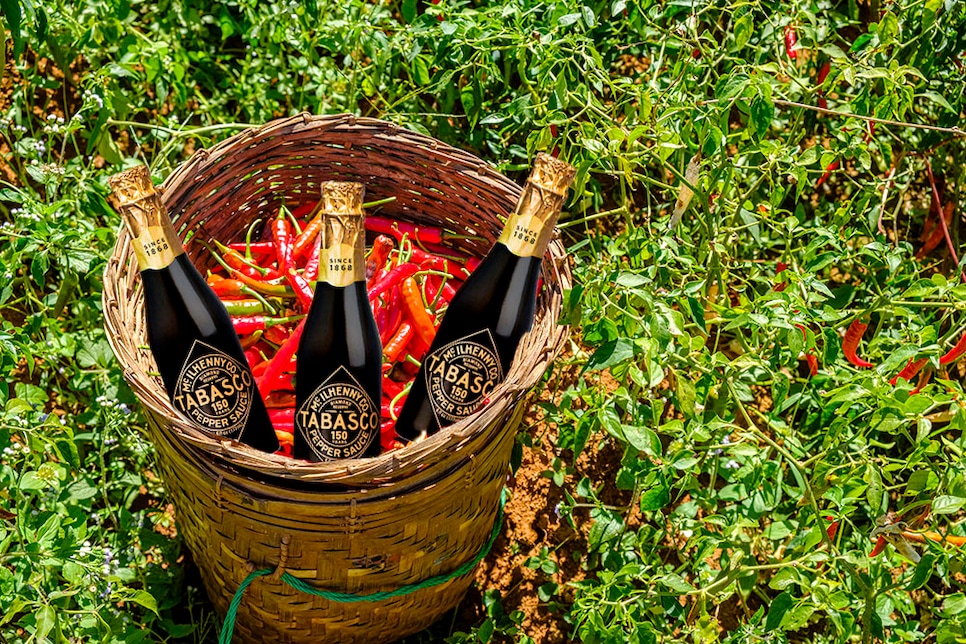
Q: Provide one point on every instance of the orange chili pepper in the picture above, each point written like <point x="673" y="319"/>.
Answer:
<point x="417" y="310"/>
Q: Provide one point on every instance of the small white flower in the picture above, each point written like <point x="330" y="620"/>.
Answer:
<point x="732" y="465"/>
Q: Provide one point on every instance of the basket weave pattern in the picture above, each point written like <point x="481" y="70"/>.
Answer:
<point x="352" y="526"/>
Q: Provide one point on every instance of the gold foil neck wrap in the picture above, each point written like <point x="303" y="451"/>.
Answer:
<point x="552" y="174"/>
<point x="342" y="258"/>
<point x="529" y="229"/>
<point x="341" y="198"/>
<point x="154" y="239"/>
<point x="343" y="237"/>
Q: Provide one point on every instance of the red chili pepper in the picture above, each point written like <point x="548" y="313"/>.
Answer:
<point x="387" y="436"/>
<point x="829" y="169"/>
<point x="274" y="373"/>
<point x="780" y="267"/>
<point x="256" y="248"/>
<point x="936" y="236"/>
<point x="398" y="342"/>
<point x="955" y="353"/>
<point x="259" y="369"/>
<point x="379" y="254"/>
<point x="851" y="343"/>
<point x="810" y="358"/>
<point x="308" y="237"/>
<point x="391" y="388"/>
<point x="282" y="237"/>
<point x="910" y="370"/>
<point x="822" y="75"/>
<point x="277" y="335"/>
<point x="251" y="323"/>
<point x="880" y="545"/>
<point x="236" y="260"/>
<point x="303" y="210"/>
<point x="424" y="234"/>
<point x="791" y="39"/>
<point x="303" y="290"/>
<point x="311" y="272"/>
<point x="421" y="318"/>
<point x="394" y="316"/>
<point x="432" y="262"/>
<point x="283" y="419"/>
<point x="417" y="349"/>
<point x="832" y="529"/>
<point x="253" y="357"/>
<point x="392" y="278"/>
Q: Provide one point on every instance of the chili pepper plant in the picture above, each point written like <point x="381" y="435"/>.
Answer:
<point x="755" y="432"/>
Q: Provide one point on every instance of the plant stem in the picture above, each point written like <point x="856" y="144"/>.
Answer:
<point x="955" y="131"/>
<point x="176" y="133"/>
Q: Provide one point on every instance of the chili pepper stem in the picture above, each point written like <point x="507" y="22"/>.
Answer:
<point x="392" y="403"/>
<point x="247" y="260"/>
<point x="248" y="238"/>
<point x="378" y="202"/>
<point x="297" y="227"/>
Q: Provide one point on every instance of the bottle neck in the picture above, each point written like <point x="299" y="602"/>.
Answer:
<point x="155" y="242"/>
<point x="529" y="229"/>
<point x="342" y="264"/>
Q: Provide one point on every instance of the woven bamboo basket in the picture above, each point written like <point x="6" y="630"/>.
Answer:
<point x="357" y="526"/>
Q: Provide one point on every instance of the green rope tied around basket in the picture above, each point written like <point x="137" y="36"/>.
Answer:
<point x="331" y="595"/>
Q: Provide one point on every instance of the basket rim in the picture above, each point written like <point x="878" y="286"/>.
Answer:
<point x="223" y="456"/>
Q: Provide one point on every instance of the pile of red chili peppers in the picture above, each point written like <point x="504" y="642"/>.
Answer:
<point x="267" y="286"/>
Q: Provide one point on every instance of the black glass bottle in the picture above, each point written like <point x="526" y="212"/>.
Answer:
<point x="190" y="333"/>
<point x="483" y="324"/>
<point x="338" y="373"/>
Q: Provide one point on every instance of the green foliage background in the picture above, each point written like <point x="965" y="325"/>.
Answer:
<point x="690" y="361"/>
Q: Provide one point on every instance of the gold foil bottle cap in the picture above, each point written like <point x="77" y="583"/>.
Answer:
<point x="342" y="239"/>
<point x="342" y="198"/>
<point x="552" y="174"/>
<point x="155" y="242"/>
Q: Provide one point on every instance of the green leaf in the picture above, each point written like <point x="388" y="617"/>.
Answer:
<point x="938" y="99"/>
<point x="797" y="617"/>
<point x="656" y="496"/>
<point x="408" y="10"/>
<point x="13" y="16"/>
<point x="861" y="42"/>
<point x="470" y="99"/>
<point x="730" y="86"/>
<point x="31" y="481"/>
<point x="776" y="612"/>
<point x="611" y="354"/>
<point x="762" y="113"/>
<point x="686" y="395"/>
<point x="642" y="439"/>
<point x="46" y="620"/>
<point x="142" y="598"/>
<point x="569" y="19"/>
<point x="947" y="504"/>
<point x="420" y="71"/>
<point x="743" y="29"/>
<point x="676" y="583"/>
<point x="74" y="573"/>
<point x="588" y="15"/>
<point x="923" y="572"/>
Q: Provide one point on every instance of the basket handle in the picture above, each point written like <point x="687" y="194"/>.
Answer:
<point x="298" y="584"/>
